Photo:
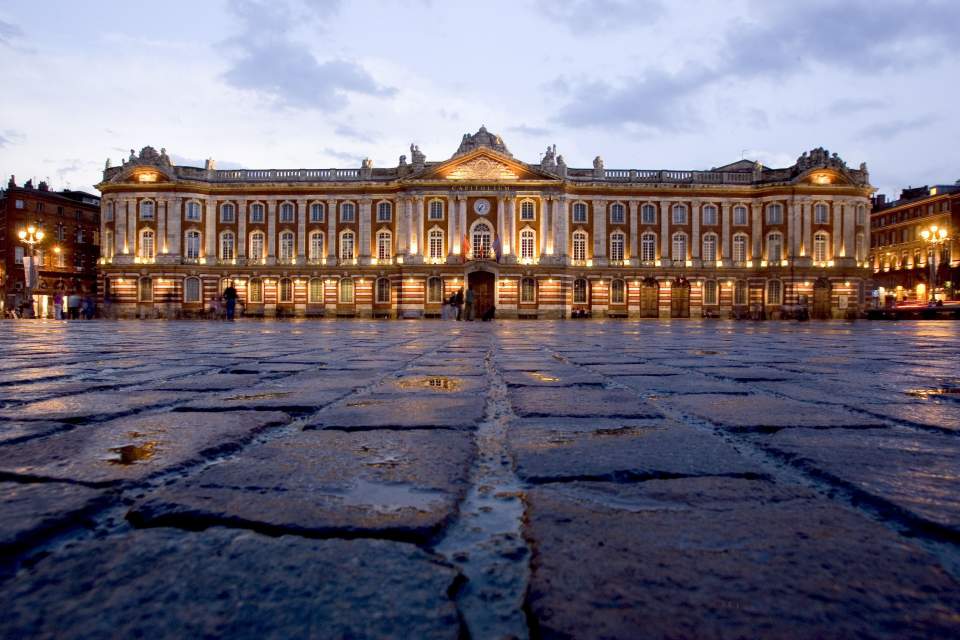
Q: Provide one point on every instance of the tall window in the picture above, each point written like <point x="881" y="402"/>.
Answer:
<point x="347" y="246"/>
<point x="774" y="291"/>
<point x="346" y="291"/>
<point x="740" y="215"/>
<point x="107" y="244"/>
<point x="527" y="210"/>
<point x="436" y="244"/>
<point x="648" y="214"/>
<point x="617" y="214"/>
<point x="860" y="249"/>
<point x="481" y="241"/>
<point x="579" y="245"/>
<point x="191" y="244"/>
<point x="740" y="292"/>
<point x="775" y="214"/>
<point x="227" y="213"/>
<point x="146" y="210"/>
<point x="256" y="213"/>
<point x="821" y="214"/>
<point x="384" y="244"/>
<point x="316" y="212"/>
<point x="527" y="243"/>
<point x="740" y="247"/>
<point x="861" y="215"/>
<point x="348" y="212"/>
<point x="228" y="243"/>
<point x="579" y="212"/>
<point x="384" y="212"/>
<point x="710" y="292"/>
<point x="648" y="247"/>
<point x="191" y="290"/>
<point x="579" y="291"/>
<point x="193" y="211"/>
<point x="256" y="246"/>
<point x="775" y="248"/>
<point x="528" y="291"/>
<point x="285" y="290"/>
<point x="617" y="242"/>
<point x="286" y="212"/>
<point x="383" y="291"/>
<point x="709" y="247"/>
<point x="435" y="290"/>
<point x="709" y="215"/>
<point x="679" y="214"/>
<point x="145" y="290"/>
<point x="18" y="254"/>
<point x="679" y="246"/>
<point x="147" y="247"/>
<point x="108" y="212"/>
<point x="317" y="246"/>
<point x="285" y="252"/>
<point x="436" y="210"/>
<point x="618" y="292"/>
<point x="315" y="292"/>
<point x="255" y="291"/>
<point x="820" y="242"/>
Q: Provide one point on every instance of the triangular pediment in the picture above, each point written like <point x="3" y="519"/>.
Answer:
<point x="482" y="165"/>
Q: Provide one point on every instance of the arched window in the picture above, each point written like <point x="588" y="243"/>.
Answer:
<point x="528" y="210"/>
<point x="384" y="244"/>
<point x="147" y="210"/>
<point x="436" y="210"/>
<point x="579" y="291"/>
<point x="775" y="248"/>
<point x="679" y="214"/>
<point x="145" y="289"/>
<point x="227" y="213"/>
<point x="528" y="291"/>
<point x="740" y="292"/>
<point x="709" y="215"/>
<point x="820" y="243"/>
<point x="528" y="241"/>
<point x="286" y="212"/>
<point x="679" y="246"/>
<point x="347" y="212"/>
<point x="617" y="213"/>
<point x="256" y="213"/>
<point x="346" y="291"/>
<point x="285" y="252"/>
<point x="709" y="253"/>
<point x="193" y="211"/>
<point x="710" y="292"/>
<point x="435" y="290"/>
<point x="315" y="292"/>
<point x="148" y="249"/>
<point x="255" y="291"/>
<point x="383" y="291"/>
<point x="228" y="245"/>
<point x="774" y="292"/>
<point x="316" y="212"/>
<point x="774" y="213"/>
<point x="617" y="243"/>
<point x="618" y="292"/>
<point x="256" y="246"/>
<point x="285" y="290"/>
<point x="347" y="246"/>
<point x="648" y="214"/>
<point x="191" y="290"/>
<point x="740" y="215"/>
<point x="740" y="247"/>
<point x="384" y="212"/>
<point x="579" y="212"/>
<point x="580" y="245"/>
<point x="191" y="244"/>
<point x="648" y="247"/>
<point x="481" y="241"/>
<point x="821" y="214"/>
<point x="318" y="246"/>
<point x="435" y="239"/>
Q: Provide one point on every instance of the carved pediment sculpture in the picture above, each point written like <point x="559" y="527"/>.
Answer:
<point x="482" y="168"/>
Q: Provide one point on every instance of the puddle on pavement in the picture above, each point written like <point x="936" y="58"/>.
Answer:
<point x="132" y="453"/>
<point x="936" y="392"/>
<point x="365" y="403"/>
<point x="706" y="352"/>
<point x="542" y="377"/>
<point x="259" y="396"/>
<point x="433" y="383"/>
<point x="388" y="498"/>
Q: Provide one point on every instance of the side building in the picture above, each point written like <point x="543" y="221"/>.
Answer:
<point x="532" y="240"/>
<point x="914" y="244"/>
<point x="68" y="255"/>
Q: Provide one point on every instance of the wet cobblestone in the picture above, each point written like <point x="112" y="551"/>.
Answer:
<point x="374" y="479"/>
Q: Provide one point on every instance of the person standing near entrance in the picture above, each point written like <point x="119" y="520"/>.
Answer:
<point x="73" y="305"/>
<point x="469" y="305"/>
<point x="458" y="303"/>
<point x="230" y="296"/>
<point x="58" y="305"/>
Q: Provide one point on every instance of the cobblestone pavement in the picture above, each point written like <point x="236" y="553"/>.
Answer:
<point x="446" y="480"/>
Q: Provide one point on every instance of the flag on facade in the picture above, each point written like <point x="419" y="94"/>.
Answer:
<point x="465" y="247"/>
<point x="497" y="249"/>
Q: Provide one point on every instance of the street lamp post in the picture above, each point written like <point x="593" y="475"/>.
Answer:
<point x="933" y="236"/>
<point x="32" y="236"/>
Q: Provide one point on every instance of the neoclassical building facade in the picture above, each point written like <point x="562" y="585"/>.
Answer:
<point x="532" y="240"/>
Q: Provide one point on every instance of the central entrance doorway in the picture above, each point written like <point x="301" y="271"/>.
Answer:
<point x="482" y="283"/>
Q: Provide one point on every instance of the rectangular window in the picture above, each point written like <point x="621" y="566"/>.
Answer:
<point x="679" y="214"/>
<point x="527" y="242"/>
<point x="146" y="210"/>
<point x="528" y="291"/>
<point x="617" y="292"/>
<point x="740" y="293"/>
<point x="648" y="214"/>
<point x="436" y="210"/>
<point x="316" y="212"/>
<point x="316" y="291"/>
<point x="256" y="213"/>
<point x="346" y="291"/>
<point x="617" y="214"/>
<point x="579" y="247"/>
<point x="193" y="211"/>
<point x="347" y="212"/>
<point x="710" y="248"/>
<point x="579" y="212"/>
<point x="617" y="241"/>
<point x="773" y="292"/>
<point x="648" y="247"/>
<point x="383" y="291"/>
<point x="710" y="292"/>
<point x="384" y="212"/>
<point x="709" y="215"/>
<point x="256" y="291"/>
<point x="435" y="290"/>
<point x="19" y="204"/>
<point x="528" y="210"/>
<point x="821" y="214"/>
<point x="286" y="212"/>
<point x="740" y="215"/>
<point x="775" y="214"/>
<point x="436" y="244"/>
<point x="18" y="255"/>
<point x="227" y="213"/>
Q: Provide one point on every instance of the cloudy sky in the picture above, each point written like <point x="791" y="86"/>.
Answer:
<point x="646" y="84"/>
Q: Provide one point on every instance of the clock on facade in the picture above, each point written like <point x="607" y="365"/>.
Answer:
<point x="482" y="207"/>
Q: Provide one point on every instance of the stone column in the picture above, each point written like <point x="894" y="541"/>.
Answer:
<point x="241" y="228"/>
<point x="600" y="232"/>
<point x="806" y="249"/>
<point x="120" y="240"/>
<point x="725" y="255"/>
<point x="665" y="233"/>
<point x="835" y="213"/>
<point x="364" y="226"/>
<point x="132" y="225"/>
<point x="849" y="230"/>
<point x="501" y="214"/>
<point x="301" y="231"/>
<point x="452" y="215"/>
<point x="510" y="224"/>
<point x="418" y="218"/>
<point x="756" y="212"/>
<point x="161" y="213"/>
<point x="563" y="227"/>
<point x="634" y="236"/>
<point x="332" y="214"/>
<point x="695" y="230"/>
<point x="791" y="244"/>
<point x="545" y="203"/>
<point x="210" y="230"/>
<point x="461" y="220"/>
<point x="174" y="225"/>
<point x="402" y="226"/>
<point x="271" y="232"/>
<point x="555" y="223"/>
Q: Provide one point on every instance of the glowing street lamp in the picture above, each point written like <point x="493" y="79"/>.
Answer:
<point x="933" y="236"/>
<point x="31" y="236"/>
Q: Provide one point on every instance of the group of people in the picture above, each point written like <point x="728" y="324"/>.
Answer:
<point x="78" y="306"/>
<point x="225" y="305"/>
<point x="462" y="306"/>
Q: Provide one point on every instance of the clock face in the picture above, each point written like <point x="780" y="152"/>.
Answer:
<point x="482" y="207"/>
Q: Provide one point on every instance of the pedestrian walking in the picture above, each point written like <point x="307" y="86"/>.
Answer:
<point x="58" y="305"/>
<point x="215" y="307"/>
<point x="458" y="303"/>
<point x="230" y="296"/>
<point x="73" y="305"/>
<point x="469" y="304"/>
<point x="86" y="307"/>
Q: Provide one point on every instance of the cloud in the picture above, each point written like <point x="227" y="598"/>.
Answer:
<point x="600" y="15"/>
<point x="269" y="62"/>
<point x="526" y="130"/>
<point x="348" y="131"/>
<point x="344" y="156"/>
<point x="195" y="162"/>
<point x="9" y="137"/>
<point x="9" y="32"/>
<point x="854" y="105"/>
<point x="894" y="128"/>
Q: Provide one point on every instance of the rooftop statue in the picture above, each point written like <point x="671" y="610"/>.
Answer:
<point x="482" y="138"/>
